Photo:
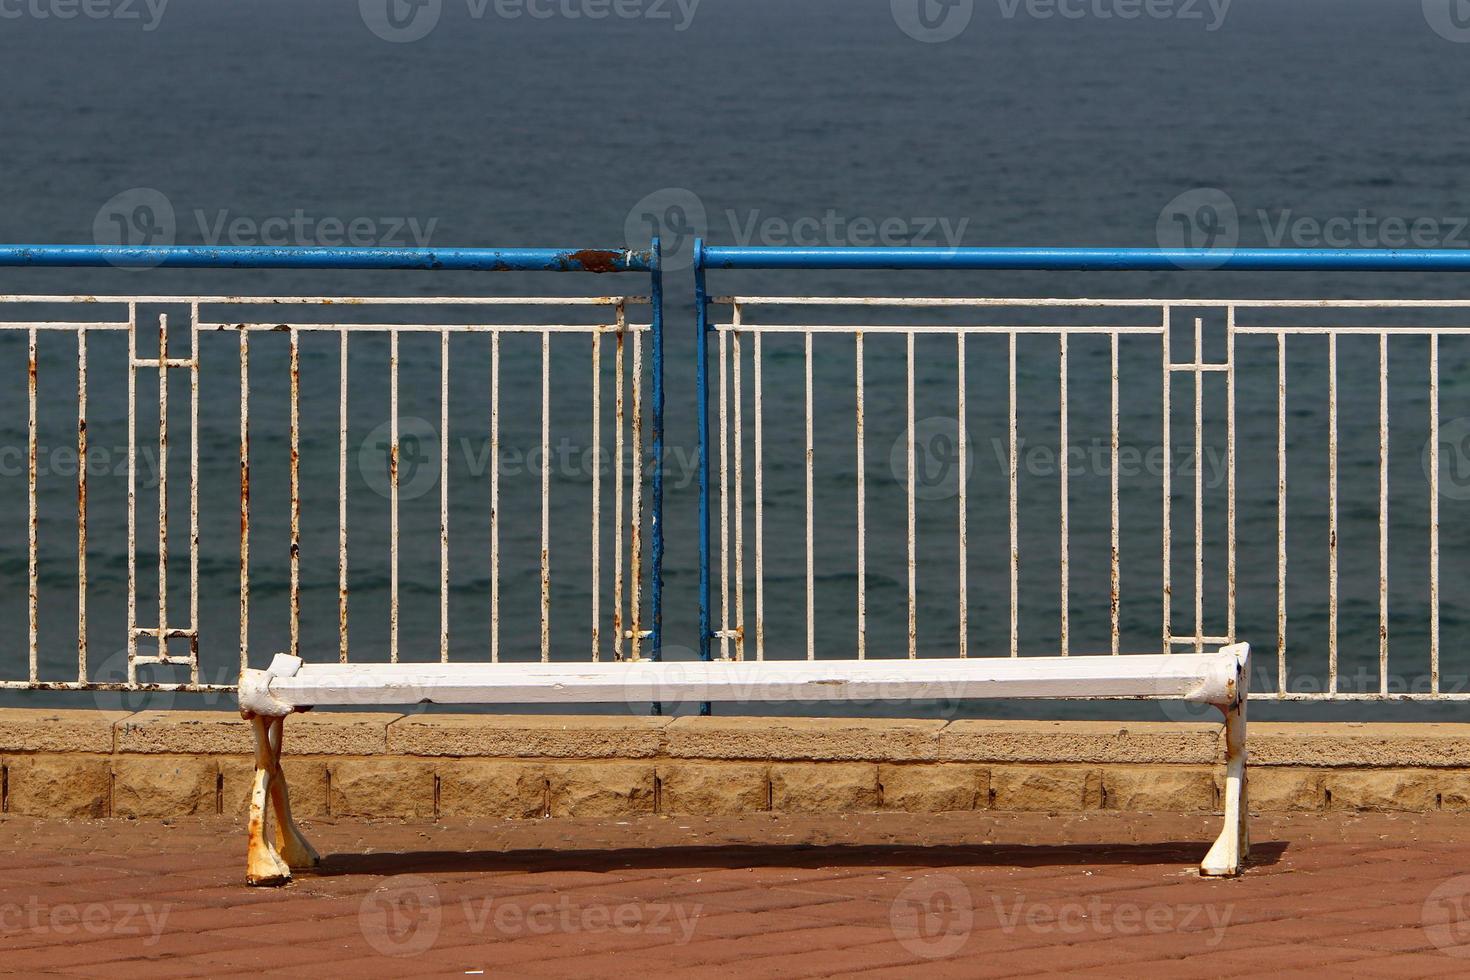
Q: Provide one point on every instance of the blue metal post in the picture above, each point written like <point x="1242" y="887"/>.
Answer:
<point x="701" y="313"/>
<point x="656" y="522"/>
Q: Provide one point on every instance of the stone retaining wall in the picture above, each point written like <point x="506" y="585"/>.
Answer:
<point x="422" y="767"/>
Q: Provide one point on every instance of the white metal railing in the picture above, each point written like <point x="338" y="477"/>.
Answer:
<point x="605" y="322"/>
<point x="823" y="331"/>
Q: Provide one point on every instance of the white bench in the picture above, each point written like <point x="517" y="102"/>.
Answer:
<point x="289" y="685"/>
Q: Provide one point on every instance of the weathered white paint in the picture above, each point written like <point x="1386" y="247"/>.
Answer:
<point x="270" y="863"/>
<point x="1219" y="678"/>
<point x="255" y="692"/>
<point x="1234" y="844"/>
<point x="1210" y="678"/>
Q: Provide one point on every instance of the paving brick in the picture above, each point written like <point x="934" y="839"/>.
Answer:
<point x="769" y="894"/>
<point x="1412" y="965"/>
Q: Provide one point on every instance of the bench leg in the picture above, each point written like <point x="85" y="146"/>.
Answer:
<point x="267" y="863"/>
<point x="263" y="865"/>
<point x="290" y="844"/>
<point x="1233" y="846"/>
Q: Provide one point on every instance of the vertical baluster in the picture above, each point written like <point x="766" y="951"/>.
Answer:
<point x="163" y="487"/>
<point x="546" y="496"/>
<point x="739" y="453"/>
<point x="597" y="494"/>
<point x="1114" y="572"/>
<point x="444" y="496"/>
<point x="33" y="522"/>
<point x="760" y="517"/>
<point x="1332" y="513"/>
<point x="811" y="634"/>
<point x="296" y="493"/>
<point x="635" y="519"/>
<point x="912" y="519"/>
<point x="1281" y="675"/>
<point x="1434" y="513"/>
<point x="393" y="496"/>
<point x="1066" y="529"/>
<point x="725" y="490"/>
<point x="862" y="505"/>
<point x="1383" y="513"/>
<point x="244" y="503"/>
<point x="495" y="497"/>
<point x="194" y="494"/>
<point x="342" y="651"/>
<point x="1230" y="544"/>
<point x="1199" y="485"/>
<point x="619" y="484"/>
<point x="1167" y="479"/>
<point x="1015" y="549"/>
<point x="82" y="506"/>
<point x="133" y="503"/>
<point x="962" y="460"/>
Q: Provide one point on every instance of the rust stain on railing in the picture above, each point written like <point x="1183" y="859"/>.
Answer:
<point x="492" y="320"/>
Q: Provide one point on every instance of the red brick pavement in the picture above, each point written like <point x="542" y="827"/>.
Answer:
<point x="882" y="895"/>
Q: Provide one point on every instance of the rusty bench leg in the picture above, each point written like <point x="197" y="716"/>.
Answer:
<point x="263" y="865"/>
<point x="1232" y="849"/>
<point x="267" y="863"/>
<point x="290" y="844"/>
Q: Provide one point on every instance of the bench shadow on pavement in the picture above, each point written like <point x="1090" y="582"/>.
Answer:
<point x="1171" y="854"/>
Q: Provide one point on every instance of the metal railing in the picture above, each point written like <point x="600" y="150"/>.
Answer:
<point x="359" y="323"/>
<point x="1028" y="351"/>
<point x="1341" y="564"/>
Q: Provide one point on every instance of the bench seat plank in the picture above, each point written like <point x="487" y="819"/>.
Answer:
<point x="1208" y="678"/>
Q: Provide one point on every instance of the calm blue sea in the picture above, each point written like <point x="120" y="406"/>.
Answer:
<point x="749" y="121"/>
